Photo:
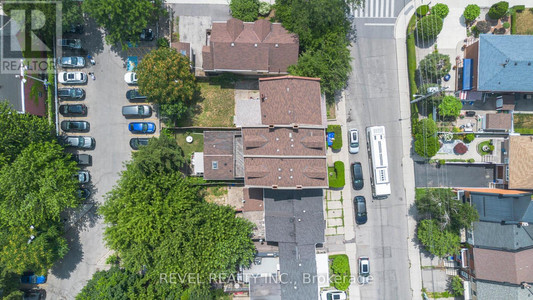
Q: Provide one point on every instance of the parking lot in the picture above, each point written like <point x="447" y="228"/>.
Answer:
<point x="104" y="99"/>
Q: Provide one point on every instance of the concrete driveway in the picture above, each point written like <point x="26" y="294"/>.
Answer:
<point x="105" y="97"/>
<point x="464" y="175"/>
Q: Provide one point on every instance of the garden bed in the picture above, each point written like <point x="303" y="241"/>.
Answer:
<point x="480" y="148"/>
<point x="523" y="123"/>
<point x="337" y="141"/>
<point x="340" y="269"/>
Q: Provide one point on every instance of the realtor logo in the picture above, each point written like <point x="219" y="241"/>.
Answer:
<point x="27" y="31"/>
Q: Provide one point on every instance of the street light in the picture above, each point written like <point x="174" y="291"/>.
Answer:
<point x="23" y="75"/>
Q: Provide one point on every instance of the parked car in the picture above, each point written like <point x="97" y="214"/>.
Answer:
<point x="134" y="95"/>
<point x="73" y="110"/>
<point x="70" y="43"/>
<point x="357" y="176"/>
<point x="75" y="126"/>
<point x="84" y="193"/>
<point x="72" y="77"/>
<point x="140" y="111"/>
<point x="147" y="35"/>
<point x="83" y="159"/>
<point x="354" y="141"/>
<point x="141" y="127"/>
<point x="135" y="143"/>
<point x="70" y="93"/>
<point x="31" y="278"/>
<point x="333" y="295"/>
<point x="75" y="28"/>
<point x="72" y="62"/>
<point x="84" y="142"/>
<point x="359" y="203"/>
<point x="364" y="266"/>
<point x="83" y="176"/>
<point x="470" y="113"/>
<point x="130" y="78"/>
<point x="34" y="294"/>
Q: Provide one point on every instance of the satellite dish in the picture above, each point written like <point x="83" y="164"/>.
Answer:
<point x="189" y="139"/>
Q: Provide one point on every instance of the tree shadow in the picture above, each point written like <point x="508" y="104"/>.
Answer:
<point x="422" y="43"/>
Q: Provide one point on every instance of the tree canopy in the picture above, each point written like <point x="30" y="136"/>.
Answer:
<point x="245" y="10"/>
<point x="498" y="10"/>
<point x="165" y="77"/>
<point x="450" y="107"/>
<point x="437" y="241"/>
<point x="429" y="27"/>
<point x="161" y="155"/>
<point x="426" y="146"/>
<point x="124" y="20"/>
<point x="441" y="10"/>
<point x="435" y="66"/>
<point x="472" y="11"/>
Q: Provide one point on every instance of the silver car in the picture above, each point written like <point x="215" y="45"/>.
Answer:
<point x="84" y="142"/>
<point x="353" y="138"/>
<point x="83" y="176"/>
<point x="72" y="77"/>
<point x="136" y="111"/>
<point x="72" y="62"/>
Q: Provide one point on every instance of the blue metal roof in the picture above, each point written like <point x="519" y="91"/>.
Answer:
<point x="467" y="74"/>
<point x="505" y="63"/>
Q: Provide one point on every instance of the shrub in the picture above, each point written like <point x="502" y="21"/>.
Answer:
<point x="498" y="10"/>
<point x="471" y="12"/>
<point x="426" y="146"/>
<point x="337" y="142"/>
<point x="483" y="26"/>
<point x="506" y="25"/>
<point x="162" y="42"/>
<point x="470" y="160"/>
<point x="429" y="27"/>
<point x="441" y="10"/>
<point x="519" y="8"/>
<point x="460" y="148"/>
<point x="425" y="127"/>
<point x="422" y="10"/>
<point x="435" y="65"/>
<point x="336" y="175"/>
<point x="450" y="107"/>
<point x="442" y="161"/>
<point x="457" y="286"/>
<point x="245" y="10"/>
<point x="469" y="138"/>
<point x="341" y="268"/>
<point x="264" y="8"/>
<point x="499" y="30"/>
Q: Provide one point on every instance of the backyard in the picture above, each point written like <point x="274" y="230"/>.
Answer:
<point x="524" y="22"/>
<point x="197" y="144"/>
<point x="217" y="106"/>
<point x="523" y="123"/>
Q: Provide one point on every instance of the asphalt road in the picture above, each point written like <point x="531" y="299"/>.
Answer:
<point x="105" y="97"/>
<point x="372" y="98"/>
<point x="428" y="175"/>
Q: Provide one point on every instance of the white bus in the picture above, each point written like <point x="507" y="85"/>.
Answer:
<point x="377" y="150"/>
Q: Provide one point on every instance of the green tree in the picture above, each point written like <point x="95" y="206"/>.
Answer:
<point x="426" y="127"/>
<point x="123" y="20"/>
<point x="161" y="155"/>
<point x="159" y="221"/>
<point x="498" y="10"/>
<point x="330" y="62"/>
<point x="165" y="77"/>
<point x="457" y="286"/>
<point x="472" y="11"/>
<point x="450" y="107"/>
<point x="429" y="27"/>
<point x="422" y="10"/>
<point x="20" y="130"/>
<point x="264" y="8"/>
<point x="437" y="241"/>
<point x="9" y="283"/>
<point x="483" y="26"/>
<point x="426" y="146"/>
<point x="441" y="10"/>
<point x="245" y="10"/>
<point x="435" y="65"/>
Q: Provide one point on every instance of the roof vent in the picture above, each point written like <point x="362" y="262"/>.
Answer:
<point x="263" y="98"/>
<point x="279" y="169"/>
<point x="271" y="125"/>
<point x="299" y="187"/>
<point x="255" y="45"/>
<point x="232" y="44"/>
<point x="295" y="126"/>
<point x="529" y="63"/>
<point x="275" y="186"/>
<point x="276" y="45"/>
<point x="515" y="63"/>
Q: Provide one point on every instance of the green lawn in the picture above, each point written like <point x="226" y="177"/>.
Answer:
<point x="524" y="22"/>
<point x="480" y="148"/>
<point x="216" y="107"/>
<point x="196" y="146"/>
<point x="523" y="123"/>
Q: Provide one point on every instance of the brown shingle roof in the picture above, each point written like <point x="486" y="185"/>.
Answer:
<point x="503" y="266"/>
<point x="284" y="141"/>
<point x="520" y="162"/>
<point x="472" y="52"/>
<point x="259" y="46"/>
<point x="285" y="173"/>
<point x="290" y="100"/>
<point x="498" y="121"/>
<point x="494" y="191"/>
<point x="220" y="155"/>
<point x="182" y="48"/>
<point x="253" y="199"/>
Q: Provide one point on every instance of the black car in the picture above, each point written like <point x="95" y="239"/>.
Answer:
<point x="134" y="95"/>
<point x="359" y="204"/>
<point x="71" y="93"/>
<point x="75" y="126"/>
<point x="135" y="143"/>
<point x="73" y="110"/>
<point x="147" y="35"/>
<point x="357" y="176"/>
<point x="83" y="159"/>
<point x="470" y="113"/>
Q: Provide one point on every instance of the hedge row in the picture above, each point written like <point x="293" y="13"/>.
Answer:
<point x="513" y="22"/>
<point x="336" y="175"/>
<point x="337" y="142"/>
<point x="411" y="56"/>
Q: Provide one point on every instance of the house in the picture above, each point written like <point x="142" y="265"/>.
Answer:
<point x="249" y="48"/>
<point x="514" y="171"/>
<point x="499" y="64"/>
<point x="222" y="158"/>
<point x="497" y="258"/>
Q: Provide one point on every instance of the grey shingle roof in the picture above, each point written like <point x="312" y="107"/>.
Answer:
<point x="505" y="63"/>
<point x="505" y="237"/>
<point x="497" y="208"/>
<point x="494" y="291"/>
<point x="297" y="262"/>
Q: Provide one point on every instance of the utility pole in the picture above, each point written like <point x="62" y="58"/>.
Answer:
<point x="428" y="95"/>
